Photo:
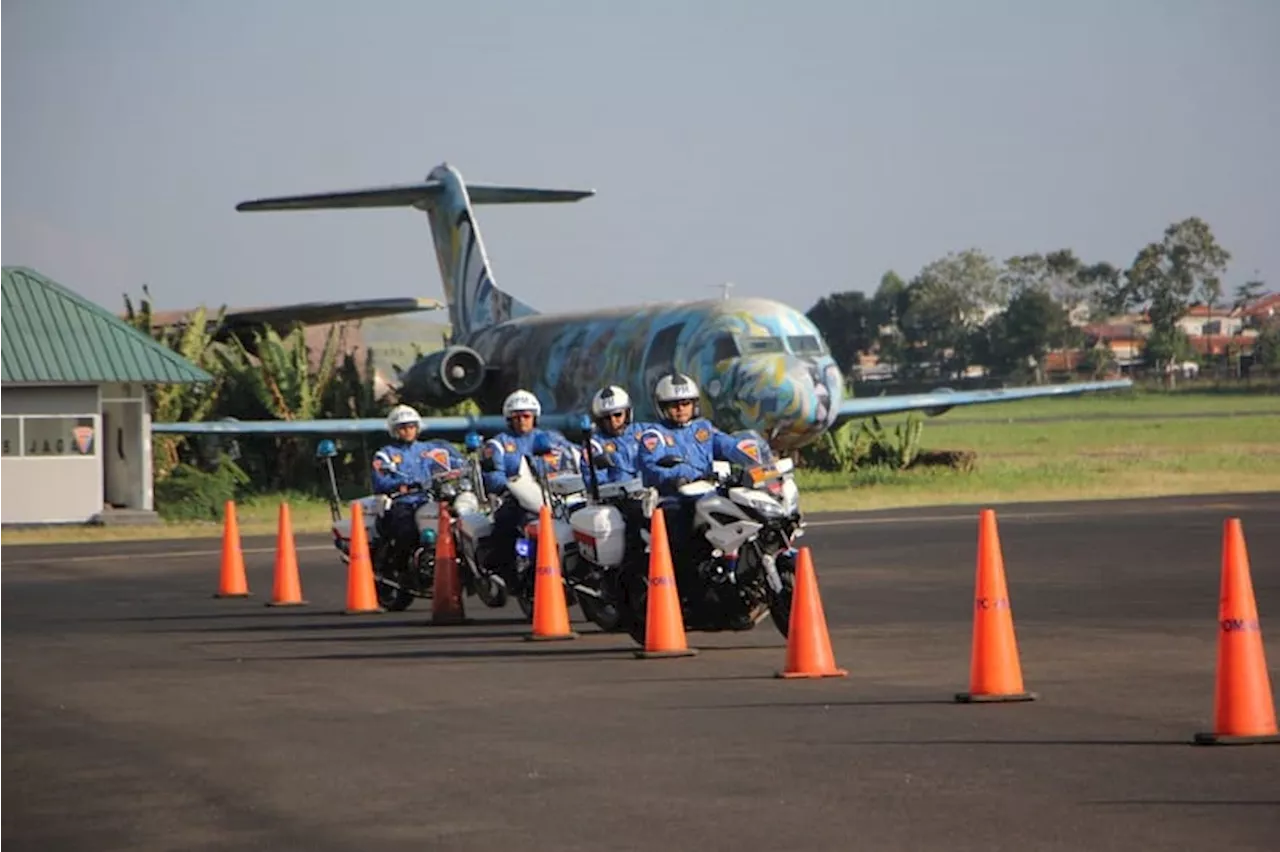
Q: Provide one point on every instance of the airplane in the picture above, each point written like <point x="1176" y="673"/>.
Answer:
<point x="759" y="364"/>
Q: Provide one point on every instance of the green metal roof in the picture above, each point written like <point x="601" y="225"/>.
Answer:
<point x="50" y="334"/>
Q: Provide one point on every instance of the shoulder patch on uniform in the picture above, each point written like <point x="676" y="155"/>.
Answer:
<point x="670" y="439"/>
<point x="701" y="435"/>
<point x="748" y="447"/>
<point x="438" y="455"/>
<point x="610" y="447"/>
<point x="651" y="439"/>
<point x="396" y="459"/>
<point x="509" y="446"/>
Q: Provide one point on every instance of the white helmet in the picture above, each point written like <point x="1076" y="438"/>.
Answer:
<point x="521" y="400"/>
<point x="399" y="416"/>
<point x="674" y="387"/>
<point x="609" y="400"/>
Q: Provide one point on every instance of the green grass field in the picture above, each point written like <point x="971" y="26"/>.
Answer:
<point x="1110" y="446"/>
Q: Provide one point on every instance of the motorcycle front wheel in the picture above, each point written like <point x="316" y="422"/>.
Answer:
<point x="390" y="598"/>
<point x="780" y="602"/>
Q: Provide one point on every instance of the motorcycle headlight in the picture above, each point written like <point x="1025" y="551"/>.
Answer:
<point x="769" y="509"/>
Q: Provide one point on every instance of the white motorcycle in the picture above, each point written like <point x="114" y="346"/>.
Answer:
<point x="732" y="540"/>
<point x="531" y="488"/>
<point x="402" y="574"/>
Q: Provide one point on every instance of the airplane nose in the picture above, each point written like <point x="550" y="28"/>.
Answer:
<point x="792" y="401"/>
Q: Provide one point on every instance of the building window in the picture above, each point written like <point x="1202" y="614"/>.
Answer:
<point x="12" y="435"/>
<point x="57" y="436"/>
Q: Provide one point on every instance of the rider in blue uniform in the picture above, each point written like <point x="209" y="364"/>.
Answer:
<point x="404" y="463"/>
<point x="683" y="432"/>
<point x="615" y="439"/>
<point x="501" y="461"/>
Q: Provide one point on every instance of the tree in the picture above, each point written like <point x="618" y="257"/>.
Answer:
<point x="1266" y="348"/>
<point x="1166" y="277"/>
<point x="192" y="338"/>
<point x="847" y="321"/>
<point x="1020" y="337"/>
<point x="946" y="302"/>
<point x="1186" y="266"/>
<point x="889" y="304"/>
<point x="277" y="380"/>
<point x="1102" y="288"/>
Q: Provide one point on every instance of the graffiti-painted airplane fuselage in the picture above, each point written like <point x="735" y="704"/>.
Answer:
<point x="760" y="364"/>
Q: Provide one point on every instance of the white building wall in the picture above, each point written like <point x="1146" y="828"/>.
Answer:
<point x="51" y="467"/>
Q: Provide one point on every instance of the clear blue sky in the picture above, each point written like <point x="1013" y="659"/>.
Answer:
<point x="795" y="149"/>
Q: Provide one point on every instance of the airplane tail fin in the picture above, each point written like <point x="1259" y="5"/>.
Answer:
<point x="475" y="302"/>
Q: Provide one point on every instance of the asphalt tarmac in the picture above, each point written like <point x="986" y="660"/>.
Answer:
<point x="140" y="713"/>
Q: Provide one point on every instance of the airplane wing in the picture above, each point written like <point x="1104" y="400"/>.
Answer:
<point x="933" y="403"/>
<point x="316" y="313"/>
<point x="432" y="427"/>
<point x="940" y="401"/>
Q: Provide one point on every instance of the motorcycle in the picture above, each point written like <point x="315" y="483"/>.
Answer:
<point x="564" y="491"/>
<point x="401" y="577"/>
<point x="607" y="534"/>
<point x="736" y="562"/>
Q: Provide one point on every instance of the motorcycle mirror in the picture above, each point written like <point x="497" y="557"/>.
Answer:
<point x="584" y="428"/>
<point x="670" y="461"/>
<point x="542" y="444"/>
<point x="487" y="464"/>
<point x="601" y="462"/>
<point x="473" y="441"/>
<point x="326" y="449"/>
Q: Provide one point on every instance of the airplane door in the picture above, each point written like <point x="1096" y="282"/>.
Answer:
<point x="660" y="358"/>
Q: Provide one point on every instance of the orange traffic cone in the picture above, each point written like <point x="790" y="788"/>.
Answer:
<point x="362" y="597"/>
<point x="446" y="588"/>
<point x="550" y="613"/>
<point x="231" y="581"/>
<point x="1243" y="711"/>
<point x="286" y="590"/>
<point x="808" y="642"/>
<point x="994" y="671"/>
<point x="664" y="623"/>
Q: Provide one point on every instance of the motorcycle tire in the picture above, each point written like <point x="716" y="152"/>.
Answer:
<point x="780" y="603"/>
<point x="604" y="615"/>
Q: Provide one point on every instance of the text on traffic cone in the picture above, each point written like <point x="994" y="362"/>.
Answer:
<point x="1243" y="709"/>
<point x="995" y="673"/>
<point x="808" y="642"/>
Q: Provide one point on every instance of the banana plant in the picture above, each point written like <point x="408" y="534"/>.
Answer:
<point x="278" y="373"/>
<point x="192" y="338"/>
<point x="277" y="379"/>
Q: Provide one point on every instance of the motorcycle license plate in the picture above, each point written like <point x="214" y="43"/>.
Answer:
<point x="523" y="547"/>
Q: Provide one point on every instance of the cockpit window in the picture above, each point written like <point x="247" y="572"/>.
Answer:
<point x="805" y="344"/>
<point x="760" y="345"/>
<point x="725" y="348"/>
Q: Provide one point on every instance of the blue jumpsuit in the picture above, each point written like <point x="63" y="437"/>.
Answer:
<point x="400" y="463"/>
<point x="506" y="450"/>
<point x="622" y="450"/>
<point x="698" y="442"/>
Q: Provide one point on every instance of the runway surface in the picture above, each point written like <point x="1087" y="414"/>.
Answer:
<point x="142" y="714"/>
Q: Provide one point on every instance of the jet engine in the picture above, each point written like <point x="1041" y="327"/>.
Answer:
<point x="446" y="377"/>
<point x="940" y="410"/>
